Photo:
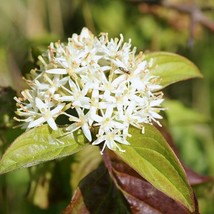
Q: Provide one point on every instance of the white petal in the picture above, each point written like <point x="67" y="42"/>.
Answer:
<point x="98" y="140"/>
<point x="97" y="118"/>
<point x="85" y="33"/>
<point x="109" y="111"/>
<point x="79" y="112"/>
<point x="156" y="102"/>
<point x="37" y="122"/>
<point x="103" y="105"/>
<point x="155" y="115"/>
<point x="39" y="104"/>
<point x="63" y="81"/>
<point x="52" y="123"/>
<point x="95" y="92"/>
<point x="72" y="118"/>
<point x="111" y="144"/>
<point x="57" y="71"/>
<point x="119" y="63"/>
<point x="116" y="82"/>
<point x="87" y="132"/>
<point x="57" y="109"/>
<point x="73" y="85"/>
<point x="73" y="127"/>
<point x="121" y="140"/>
<point x="66" y="98"/>
<point x="105" y="68"/>
<point x="141" y="66"/>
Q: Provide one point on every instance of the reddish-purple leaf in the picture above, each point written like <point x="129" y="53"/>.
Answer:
<point x="77" y="204"/>
<point x="195" y="179"/>
<point x="97" y="193"/>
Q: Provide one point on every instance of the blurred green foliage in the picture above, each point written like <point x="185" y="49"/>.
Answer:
<point x="28" y="26"/>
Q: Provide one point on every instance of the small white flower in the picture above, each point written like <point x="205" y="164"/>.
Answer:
<point x="76" y="96"/>
<point x="80" y="122"/>
<point x="110" y="140"/>
<point x="46" y="115"/>
<point x="107" y="122"/>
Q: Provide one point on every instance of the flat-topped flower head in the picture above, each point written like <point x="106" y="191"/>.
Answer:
<point x="96" y="82"/>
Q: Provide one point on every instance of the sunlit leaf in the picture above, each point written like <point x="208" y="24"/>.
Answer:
<point x="39" y="145"/>
<point x="150" y="156"/>
<point x="171" y="67"/>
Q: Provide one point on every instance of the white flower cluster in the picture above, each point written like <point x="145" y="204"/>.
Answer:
<point x="94" y="82"/>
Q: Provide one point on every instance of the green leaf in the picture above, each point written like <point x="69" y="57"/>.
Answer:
<point x="150" y="155"/>
<point x="171" y="67"/>
<point x="38" y="145"/>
